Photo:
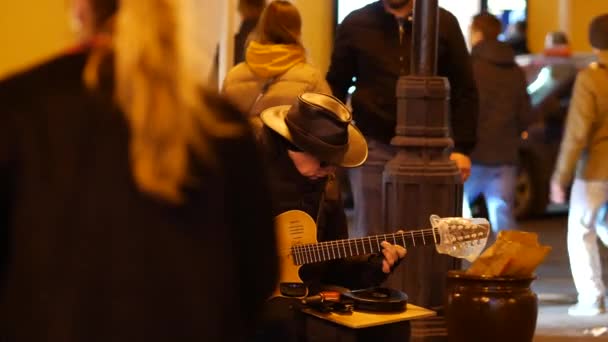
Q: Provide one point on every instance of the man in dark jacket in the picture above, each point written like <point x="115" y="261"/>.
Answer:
<point x="373" y="46"/>
<point x="504" y="112"/>
<point x="303" y="144"/>
<point x="250" y="11"/>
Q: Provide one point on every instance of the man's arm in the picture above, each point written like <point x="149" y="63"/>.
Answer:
<point x="343" y="62"/>
<point x="464" y="99"/>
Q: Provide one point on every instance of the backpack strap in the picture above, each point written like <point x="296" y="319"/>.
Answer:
<point x="253" y="109"/>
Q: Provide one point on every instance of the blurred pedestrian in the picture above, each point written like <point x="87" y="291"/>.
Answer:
<point x="517" y="37"/>
<point x="583" y="158"/>
<point x="122" y="195"/>
<point x="504" y="113"/>
<point x="250" y="12"/>
<point x="557" y="45"/>
<point x="275" y="71"/>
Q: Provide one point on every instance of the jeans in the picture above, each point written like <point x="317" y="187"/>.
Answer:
<point x="366" y="185"/>
<point x="497" y="185"/>
<point x="587" y="220"/>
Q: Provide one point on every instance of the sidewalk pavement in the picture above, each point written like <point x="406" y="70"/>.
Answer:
<point x="556" y="290"/>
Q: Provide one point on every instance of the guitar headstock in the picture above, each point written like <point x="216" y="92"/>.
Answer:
<point x="462" y="238"/>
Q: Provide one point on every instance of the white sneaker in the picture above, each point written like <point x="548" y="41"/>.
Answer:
<point x="584" y="309"/>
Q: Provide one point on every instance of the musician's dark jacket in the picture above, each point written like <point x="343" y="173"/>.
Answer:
<point x="86" y="256"/>
<point x="292" y="191"/>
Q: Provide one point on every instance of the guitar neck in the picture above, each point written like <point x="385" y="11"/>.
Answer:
<point x="338" y="249"/>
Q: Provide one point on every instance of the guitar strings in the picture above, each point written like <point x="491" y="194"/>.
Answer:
<point x="311" y="252"/>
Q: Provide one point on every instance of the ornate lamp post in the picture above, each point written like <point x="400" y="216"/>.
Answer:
<point x="421" y="180"/>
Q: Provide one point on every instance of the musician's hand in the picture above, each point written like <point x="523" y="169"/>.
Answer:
<point x="392" y="255"/>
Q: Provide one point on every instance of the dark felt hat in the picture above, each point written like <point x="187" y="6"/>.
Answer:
<point x="598" y="32"/>
<point x="320" y="125"/>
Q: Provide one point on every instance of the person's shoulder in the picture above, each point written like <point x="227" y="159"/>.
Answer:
<point x="596" y="68"/>
<point x="239" y="73"/>
<point x="447" y="18"/>
<point x="302" y="72"/>
<point x="364" y="15"/>
<point x="593" y="73"/>
<point x="43" y="77"/>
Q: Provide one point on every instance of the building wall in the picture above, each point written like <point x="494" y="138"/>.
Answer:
<point x="543" y="16"/>
<point x="571" y="16"/>
<point x="31" y="31"/>
<point x="581" y="14"/>
<point x="317" y="30"/>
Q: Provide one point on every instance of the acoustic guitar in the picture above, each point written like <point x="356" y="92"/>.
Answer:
<point x="297" y="244"/>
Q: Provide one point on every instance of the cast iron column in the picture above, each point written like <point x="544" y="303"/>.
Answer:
<point x="421" y="180"/>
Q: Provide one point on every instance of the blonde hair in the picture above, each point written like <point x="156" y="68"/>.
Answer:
<point x="160" y="65"/>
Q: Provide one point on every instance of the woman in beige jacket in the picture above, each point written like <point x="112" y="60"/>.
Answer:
<point x="275" y="71"/>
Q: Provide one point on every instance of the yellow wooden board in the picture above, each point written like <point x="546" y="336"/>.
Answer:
<point x="366" y="319"/>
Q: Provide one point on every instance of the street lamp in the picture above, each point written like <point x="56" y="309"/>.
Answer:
<point x="421" y="180"/>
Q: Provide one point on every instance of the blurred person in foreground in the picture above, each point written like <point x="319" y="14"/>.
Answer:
<point x="583" y="158"/>
<point x="122" y="207"/>
<point x="275" y="71"/>
<point x="373" y="45"/>
<point x="504" y="112"/>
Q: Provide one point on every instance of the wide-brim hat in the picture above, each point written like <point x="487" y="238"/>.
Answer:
<point x="321" y="125"/>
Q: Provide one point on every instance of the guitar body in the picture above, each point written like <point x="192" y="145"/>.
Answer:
<point x="292" y="228"/>
<point x="296" y="235"/>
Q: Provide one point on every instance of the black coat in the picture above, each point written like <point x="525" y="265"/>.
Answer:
<point x="241" y="37"/>
<point x="87" y="257"/>
<point x="504" y="104"/>
<point x="368" y="47"/>
<point x="292" y="191"/>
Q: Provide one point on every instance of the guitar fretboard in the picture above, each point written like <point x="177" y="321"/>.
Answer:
<point x="338" y="249"/>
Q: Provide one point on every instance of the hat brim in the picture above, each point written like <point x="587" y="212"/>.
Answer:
<point x="356" y="150"/>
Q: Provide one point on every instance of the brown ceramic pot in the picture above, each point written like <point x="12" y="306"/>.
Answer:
<point x="480" y="309"/>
